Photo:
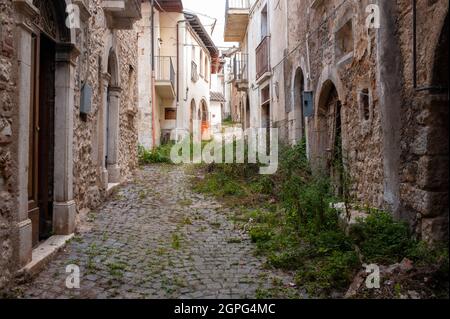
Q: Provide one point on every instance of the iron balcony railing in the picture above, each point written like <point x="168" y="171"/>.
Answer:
<point x="240" y="67"/>
<point x="263" y="57"/>
<point x="164" y="69"/>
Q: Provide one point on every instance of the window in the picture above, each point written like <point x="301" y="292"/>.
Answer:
<point x="193" y="53"/>
<point x="364" y="104"/>
<point x="264" y="23"/>
<point x="344" y="40"/>
<point x="201" y="63"/>
<point x="170" y="114"/>
<point x="194" y="72"/>
<point x="265" y="95"/>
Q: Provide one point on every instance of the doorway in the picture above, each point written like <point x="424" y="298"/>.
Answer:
<point x="42" y="139"/>
<point x="329" y="139"/>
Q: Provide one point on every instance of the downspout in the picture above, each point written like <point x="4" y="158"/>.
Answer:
<point x="178" y="70"/>
<point x="153" y="79"/>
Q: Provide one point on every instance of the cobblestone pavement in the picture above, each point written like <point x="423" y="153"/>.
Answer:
<point x="155" y="238"/>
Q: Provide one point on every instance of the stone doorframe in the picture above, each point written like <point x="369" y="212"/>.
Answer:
<point x="110" y="116"/>
<point x="328" y="76"/>
<point x="64" y="211"/>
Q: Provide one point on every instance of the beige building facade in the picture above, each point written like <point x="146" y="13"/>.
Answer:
<point x="185" y="57"/>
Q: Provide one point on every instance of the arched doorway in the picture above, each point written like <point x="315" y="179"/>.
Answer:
<point x="329" y="136"/>
<point x="192" y="117"/>
<point x="49" y="110"/>
<point x="299" y="88"/>
<point x="112" y="119"/>
<point x="247" y="112"/>
<point x="205" y="120"/>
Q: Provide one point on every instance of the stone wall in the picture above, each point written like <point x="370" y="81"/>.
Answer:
<point x="424" y="125"/>
<point x="7" y="168"/>
<point x="93" y="43"/>
<point x="362" y="140"/>
<point x="397" y="156"/>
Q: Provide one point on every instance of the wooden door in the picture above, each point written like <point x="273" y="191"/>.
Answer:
<point x="41" y="153"/>
<point x="33" y="198"/>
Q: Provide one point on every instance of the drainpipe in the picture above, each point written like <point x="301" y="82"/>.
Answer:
<point x="152" y="3"/>
<point x="178" y="68"/>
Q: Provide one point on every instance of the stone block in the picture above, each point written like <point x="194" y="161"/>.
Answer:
<point x="435" y="229"/>
<point x="25" y="242"/>
<point x="64" y="215"/>
<point x="429" y="204"/>
<point x="433" y="172"/>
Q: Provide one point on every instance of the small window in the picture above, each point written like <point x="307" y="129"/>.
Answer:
<point x="344" y="40"/>
<point x="170" y="114"/>
<point x="201" y="63"/>
<point x="364" y="104"/>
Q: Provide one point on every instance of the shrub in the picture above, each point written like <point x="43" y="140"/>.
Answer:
<point x="155" y="156"/>
<point x="382" y="239"/>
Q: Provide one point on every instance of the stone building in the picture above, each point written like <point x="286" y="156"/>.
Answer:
<point x="68" y="129"/>
<point x="365" y="83"/>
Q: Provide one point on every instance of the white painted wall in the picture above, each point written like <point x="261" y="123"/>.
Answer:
<point x="193" y="49"/>
<point x="216" y="116"/>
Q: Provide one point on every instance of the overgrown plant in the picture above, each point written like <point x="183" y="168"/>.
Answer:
<point x="294" y="225"/>
<point x="158" y="155"/>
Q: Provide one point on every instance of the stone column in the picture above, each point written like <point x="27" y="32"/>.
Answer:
<point x="113" y="134"/>
<point x="26" y="12"/>
<point x="64" y="208"/>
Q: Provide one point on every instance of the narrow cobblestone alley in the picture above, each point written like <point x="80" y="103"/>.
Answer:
<point x="154" y="238"/>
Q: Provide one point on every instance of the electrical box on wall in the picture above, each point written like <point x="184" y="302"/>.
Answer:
<point x="308" y="104"/>
<point x="86" y="99"/>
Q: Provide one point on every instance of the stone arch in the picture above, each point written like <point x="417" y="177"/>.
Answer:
<point x="193" y="115"/>
<point x="204" y="110"/>
<point x="297" y="92"/>
<point x="112" y="118"/>
<point x="440" y="71"/>
<point x="432" y="179"/>
<point x="247" y="112"/>
<point x="328" y="134"/>
<point x="205" y="122"/>
<point x="52" y="20"/>
<point x="329" y="76"/>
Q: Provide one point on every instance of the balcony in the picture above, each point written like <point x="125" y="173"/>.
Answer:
<point x="236" y="19"/>
<point x="263" y="60"/>
<point x="121" y="14"/>
<point x="165" y="77"/>
<point x="240" y="71"/>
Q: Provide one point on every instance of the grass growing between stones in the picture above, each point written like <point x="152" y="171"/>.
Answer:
<point x="289" y="218"/>
<point x="160" y="155"/>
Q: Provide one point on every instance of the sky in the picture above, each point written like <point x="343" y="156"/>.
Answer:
<point x="213" y="9"/>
